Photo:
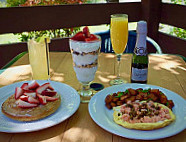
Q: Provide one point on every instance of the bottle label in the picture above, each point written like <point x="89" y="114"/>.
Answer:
<point x="141" y="51"/>
<point x="139" y="74"/>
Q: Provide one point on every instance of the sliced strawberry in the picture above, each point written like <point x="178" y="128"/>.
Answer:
<point x="33" y="85"/>
<point x="24" y="98"/>
<point x="31" y="94"/>
<point x="86" y="32"/>
<point x="48" y="93"/>
<point x="23" y="104"/>
<point x="80" y="36"/>
<point x="42" y="88"/>
<point x="25" y="86"/>
<point x="18" y="92"/>
<point x="29" y="91"/>
<point x="50" y="99"/>
<point x="88" y="39"/>
<point x="42" y="99"/>
<point x="50" y="87"/>
<point x="33" y="101"/>
<point x="93" y="37"/>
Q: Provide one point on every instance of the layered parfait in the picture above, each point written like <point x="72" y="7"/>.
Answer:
<point x="85" y="48"/>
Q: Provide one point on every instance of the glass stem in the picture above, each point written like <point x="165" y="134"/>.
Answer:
<point x="85" y="86"/>
<point x="118" y="65"/>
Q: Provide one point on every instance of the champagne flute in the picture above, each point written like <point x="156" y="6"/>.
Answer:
<point x="119" y="38"/>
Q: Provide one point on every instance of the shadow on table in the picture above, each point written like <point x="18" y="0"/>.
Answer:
<point x="54" y="132"/>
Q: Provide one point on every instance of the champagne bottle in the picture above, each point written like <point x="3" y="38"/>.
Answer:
<point x="139" y="68"/>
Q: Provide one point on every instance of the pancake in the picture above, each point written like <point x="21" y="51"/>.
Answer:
<point x="11" y="110"/>
<point x="117" y="116"/>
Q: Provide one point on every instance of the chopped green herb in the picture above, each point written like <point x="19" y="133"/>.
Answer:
<point x="149" y="99"/>
<point x="167" y="103"/>
<point x="119" y="95"/>
<point x="145" y="91"/>
<point x="140" y="90"/>
<point x="126" y="91"/>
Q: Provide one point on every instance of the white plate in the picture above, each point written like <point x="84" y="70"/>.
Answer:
<point x="70" y="102"/>
<point x="103" y="116"/>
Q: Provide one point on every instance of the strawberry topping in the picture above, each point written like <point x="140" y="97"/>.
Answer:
<point x="23" y="104"/>
<point x="25" y="86"/>
<point x="29" y="91"/>
<point x="24" y="98"/>
<point x="86" y="32"/>
<point x="80" y="36"/>
<point x="50" y="87"/>
<point x="41" y="88"/>
<point x="33" y="85"/>
<point x="18" y="92"/>
<point x="32" y="94"/>
<point x="50" y="99"/>
<point x="33" y="101"/>
<point x="42" y="99"/>
<point x="48" y="93"/>
<point x="84" y="35"/>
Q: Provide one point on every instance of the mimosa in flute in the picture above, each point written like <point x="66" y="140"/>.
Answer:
<point x="39" y="59"/>
<point x="119" y="38"/>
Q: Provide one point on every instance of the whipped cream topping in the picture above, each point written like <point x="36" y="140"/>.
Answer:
<point x="84" y="47"/>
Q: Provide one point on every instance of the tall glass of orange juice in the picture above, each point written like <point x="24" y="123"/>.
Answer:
<point x="39" y="59"/>
<point x="119" y="38"/>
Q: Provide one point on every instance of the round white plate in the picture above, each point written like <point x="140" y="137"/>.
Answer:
<point x="103" y="116"/>
<point x="70" y="102"/>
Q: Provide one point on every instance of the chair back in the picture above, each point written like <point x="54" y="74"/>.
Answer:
<point x="106" y="45"/>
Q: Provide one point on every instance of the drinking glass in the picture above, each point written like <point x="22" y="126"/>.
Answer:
<point x="39" y="59"/>
<point x="119" y="38"/>
<point x="85" y="63"/>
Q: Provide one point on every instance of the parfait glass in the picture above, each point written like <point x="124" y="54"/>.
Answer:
<point x="119" y="38"/>
<point x="85" y="64"/>
<point x="39" y="58"/>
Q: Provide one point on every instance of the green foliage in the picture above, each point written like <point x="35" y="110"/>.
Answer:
<point x="2" y="4"/>
<point x="178" y="1"/>
<point x="181" y="33"/>
<point x="12" y="3"/>
<point x="57" y="33"/>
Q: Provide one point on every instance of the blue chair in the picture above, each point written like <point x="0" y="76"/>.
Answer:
<point x="106" y="45"/>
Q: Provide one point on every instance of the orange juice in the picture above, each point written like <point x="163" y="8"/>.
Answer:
<point x="38" y="60"/>
<point x="119" y="33"/>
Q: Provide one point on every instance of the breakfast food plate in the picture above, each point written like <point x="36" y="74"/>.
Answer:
<point x="70" y="102"/>
<point x="104" y="117"/>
